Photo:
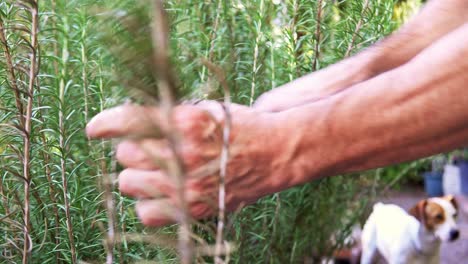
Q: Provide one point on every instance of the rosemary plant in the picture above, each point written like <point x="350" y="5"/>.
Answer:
<point x="58" y="68"/>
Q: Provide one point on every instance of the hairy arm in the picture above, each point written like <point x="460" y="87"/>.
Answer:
<point x="435" y="20"/>
<point x="412" y="111"/>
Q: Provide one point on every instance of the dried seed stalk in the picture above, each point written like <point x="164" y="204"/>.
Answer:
<point x="223" y="161"/>
<point x="108" y="183"/>
<point x="166" y="85"/>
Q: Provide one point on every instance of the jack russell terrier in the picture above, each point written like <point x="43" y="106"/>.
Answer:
<point x="413" y="238"/>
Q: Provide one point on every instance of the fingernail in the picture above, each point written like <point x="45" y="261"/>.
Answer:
<point x="89" y="127"/>
<point x="153" y="213"/>
<point x="94" y="127"/>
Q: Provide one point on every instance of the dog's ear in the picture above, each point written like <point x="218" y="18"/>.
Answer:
<point x="452" y="200"/>
<point x="419" y="211"/>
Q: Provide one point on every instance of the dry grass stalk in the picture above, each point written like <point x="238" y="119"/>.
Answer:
<point x="161" y="69"/>
<point x="222" y="176"/>
<point x="141" y="51"/>
<point x="108" y="184"/>
<point x="223" y="162"/>
<point x="166" y="85"/>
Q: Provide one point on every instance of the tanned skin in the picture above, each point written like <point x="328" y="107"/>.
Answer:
<point x="435" y="20"/>
<point x="402" y="99"/>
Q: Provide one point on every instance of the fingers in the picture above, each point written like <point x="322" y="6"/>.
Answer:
<point x="125" y="120"/>
<point x="162" y="206"/>
<point x="159" y="212"/>
<point x="146" y="184"/>
<point x="143" y="154"/>
<point x="140" y="121"/>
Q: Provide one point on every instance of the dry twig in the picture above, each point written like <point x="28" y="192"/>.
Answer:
<point x="34" y="10"/>
<point x="317" y="34"/>
<point x="166" y="85"/>
<point x="358" y="28"/>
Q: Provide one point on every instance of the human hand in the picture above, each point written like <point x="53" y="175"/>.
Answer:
<point x="251" y="171"/>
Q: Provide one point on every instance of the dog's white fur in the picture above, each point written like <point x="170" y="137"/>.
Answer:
<point x="401" y="238"/>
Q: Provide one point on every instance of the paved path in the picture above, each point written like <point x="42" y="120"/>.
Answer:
<point x="451" y="253"/>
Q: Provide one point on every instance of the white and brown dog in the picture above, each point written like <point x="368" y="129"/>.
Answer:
<point x="403" y="238"/>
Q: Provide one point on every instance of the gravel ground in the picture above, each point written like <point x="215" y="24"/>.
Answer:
<point x="451" y="253"/>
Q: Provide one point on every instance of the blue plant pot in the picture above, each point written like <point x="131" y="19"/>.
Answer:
<point x="433" y="183"/>
<point x="464" y="176"/>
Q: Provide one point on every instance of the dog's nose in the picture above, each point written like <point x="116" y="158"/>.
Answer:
<point x="454" y="234"/>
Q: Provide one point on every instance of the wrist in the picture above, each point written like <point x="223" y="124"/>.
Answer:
<point x="256" y="139"/>
<point x="306" y="150"/>
<point x="321" y="84"/>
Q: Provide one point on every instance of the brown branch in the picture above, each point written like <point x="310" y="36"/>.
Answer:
<point x="317" y="35"/>
<point x="223" y="161"/>
<point x="166" y="84"/>
<point x="55" y="235"/>
<point x="214" y="31"/>
<point x="5" y="201"/>
<point x="255" y="56"/>
<point x="84" y="61"/>
<point x="357" y="29"/>
<point x="222" y="174"/>
<point x="108" y="183"/>
<point x="34" y="9"/>
<point x="63" y="161"/>
<point x="11" y="73"/>
<point x="48" y="173"/>
<point x="296" y="51"/>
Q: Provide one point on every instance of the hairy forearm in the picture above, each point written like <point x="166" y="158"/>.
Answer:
<point x="415" y="110"/>
<point x="435" y="20"/>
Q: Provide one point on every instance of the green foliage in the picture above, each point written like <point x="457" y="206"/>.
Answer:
<point x="260" y="45"/>
<point x="308" y="221"/>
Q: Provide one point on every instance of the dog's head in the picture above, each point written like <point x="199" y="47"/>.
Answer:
<point x="438" y="215"/>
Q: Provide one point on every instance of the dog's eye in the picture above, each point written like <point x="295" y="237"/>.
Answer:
<point x="455" y="215"/>
<point x="439" y="217"/>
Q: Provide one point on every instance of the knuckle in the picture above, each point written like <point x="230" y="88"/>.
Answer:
<point x="146" y="221"/>
<point x="191" y="118"/>
<point x="151" y="220"/>
<point x="128" y="151"/>
<point x="121" y="151"/>
<point x="125" y="181"/>
<point x="190" y="159"/>
<point x="153" y="215"/>
<point x="200" y="210"/>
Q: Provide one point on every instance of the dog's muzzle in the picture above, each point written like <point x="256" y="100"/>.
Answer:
<point x="454" y="234"/>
